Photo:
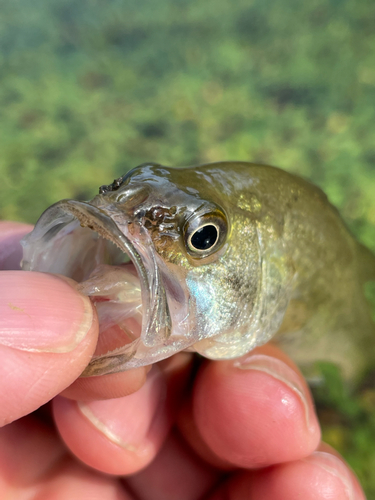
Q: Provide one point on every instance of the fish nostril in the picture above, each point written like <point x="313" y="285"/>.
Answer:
<point x="116" y="184"/>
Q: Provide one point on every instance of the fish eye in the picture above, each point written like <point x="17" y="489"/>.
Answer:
<point x="204" y="238"/>
<point x="204" y="235"/>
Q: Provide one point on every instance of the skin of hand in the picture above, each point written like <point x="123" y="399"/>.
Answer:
<point x="187" y="429"/>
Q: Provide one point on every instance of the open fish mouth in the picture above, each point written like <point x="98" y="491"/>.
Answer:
<point x="84" y="242"/>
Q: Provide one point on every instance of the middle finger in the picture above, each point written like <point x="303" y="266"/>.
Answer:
<point x="255" y="411"/>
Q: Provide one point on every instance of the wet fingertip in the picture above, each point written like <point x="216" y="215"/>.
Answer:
<point x="40" y="312"/>
<point x="280" y="371"/>
<point x="255" y="412"/>
<point x="137" y="411"/>
<point x="336" y="470"/>
<point x="129" y="431"/>
<point x="320" y="475"/>
<point x="108" y="430"/>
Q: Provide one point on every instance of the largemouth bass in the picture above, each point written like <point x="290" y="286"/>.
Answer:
<point x="222" y="258"/>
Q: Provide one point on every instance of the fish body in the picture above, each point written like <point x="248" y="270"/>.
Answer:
<point x="229" y="256"/>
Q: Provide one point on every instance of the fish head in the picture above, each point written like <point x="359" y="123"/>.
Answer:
<point x="197" y="254"/>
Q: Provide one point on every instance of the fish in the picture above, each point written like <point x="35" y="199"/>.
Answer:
<point x="216" y="259"/>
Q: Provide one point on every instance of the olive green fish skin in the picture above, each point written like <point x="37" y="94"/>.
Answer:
<point x="288" y="255"/>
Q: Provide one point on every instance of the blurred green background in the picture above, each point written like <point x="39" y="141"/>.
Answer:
<point x="90" y="89"/>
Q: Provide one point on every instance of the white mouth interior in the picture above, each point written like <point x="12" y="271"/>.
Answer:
<point x="104" y="273"/>
<point x="109" y="278"/>
<point x="115" y="291"/>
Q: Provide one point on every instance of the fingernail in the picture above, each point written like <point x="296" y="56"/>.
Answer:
<point x="40" y="312"/>
<point x="126" y="421"/>
<point x="280" y="371"/>
<point x="336" y="468"/>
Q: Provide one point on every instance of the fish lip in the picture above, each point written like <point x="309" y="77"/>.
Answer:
<point x="97" y="219"/>
<point x="154" y="302"/>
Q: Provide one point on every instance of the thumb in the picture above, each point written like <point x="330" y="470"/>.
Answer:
<point x="48" y="333"/>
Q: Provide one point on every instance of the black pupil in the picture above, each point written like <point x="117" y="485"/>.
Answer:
<point x="204" y="238"/>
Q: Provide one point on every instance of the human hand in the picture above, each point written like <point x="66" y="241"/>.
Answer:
<point x="243" y="429"/>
